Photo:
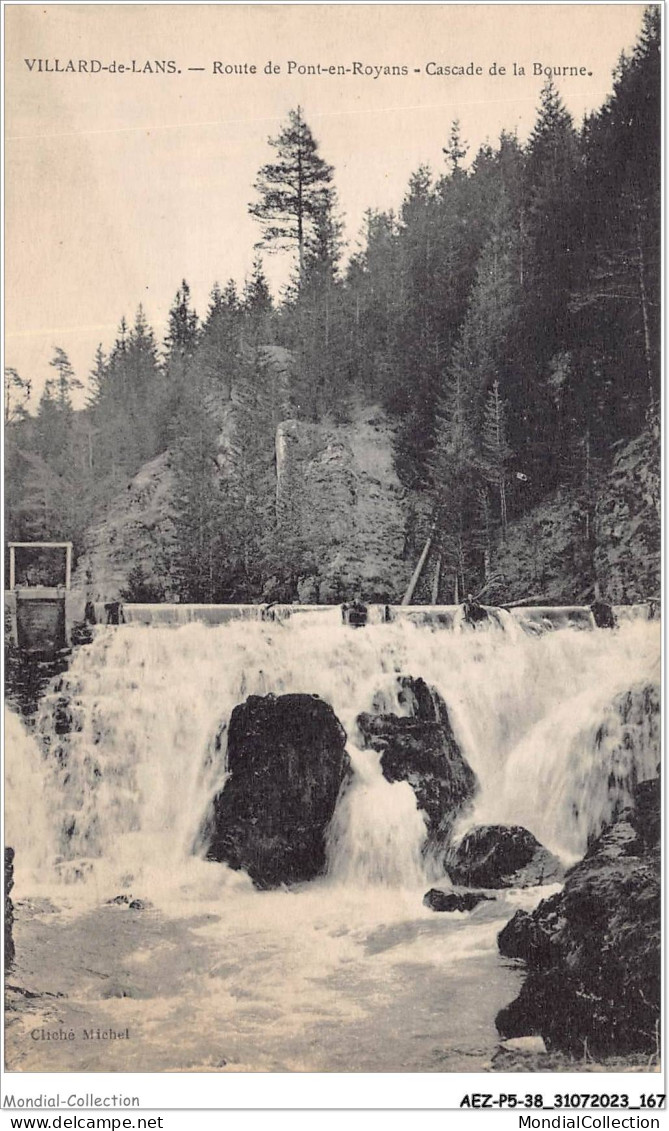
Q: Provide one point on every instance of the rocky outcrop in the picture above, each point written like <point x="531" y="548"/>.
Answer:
<point x="593" y="950"/>
<point x="422" y="750"/>
<point x="627" y="552"/>
<point x="127" y="553"/>
<point x="136" y="529"/>
<point x="438" y="900"/>
<point x="339" y="495"/>
<point x="544" y="551"/>
<point x="530" y="938"/>
<point x="9" y="908"/>
<point x="287" y="762"/>
<point x="501" y="856"/>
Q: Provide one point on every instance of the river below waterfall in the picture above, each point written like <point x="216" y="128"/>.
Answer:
<point x="310" y="980"/>
<point x="109" y="796"/>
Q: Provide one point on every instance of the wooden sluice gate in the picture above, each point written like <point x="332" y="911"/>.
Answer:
<point x="40" y="621"/>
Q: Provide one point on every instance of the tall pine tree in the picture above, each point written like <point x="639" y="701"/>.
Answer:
<point x="292" y="190"/>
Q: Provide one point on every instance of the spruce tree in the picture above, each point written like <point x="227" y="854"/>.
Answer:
<point x="456" y="150"/>
<point x="219" y="339"/>
<point x="495" y="450"/>
<point x="56" y="502"/>
<point x="182" y="326"/>
<point x="199" y="517"/>
<point x="181" y="342"/>
<point x="62" y="386"/>
<point x="455" y="477"/>
<point x="257" y="304"/>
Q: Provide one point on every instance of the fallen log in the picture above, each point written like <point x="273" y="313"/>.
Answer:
<point x="537" y="598"/>
<point x="406" y="599"/>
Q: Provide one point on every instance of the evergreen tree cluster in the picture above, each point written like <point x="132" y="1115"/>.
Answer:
<point x="507" y="318"/>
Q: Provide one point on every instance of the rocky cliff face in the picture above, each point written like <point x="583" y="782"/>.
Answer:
<point x="627" y="553"/>
<point x="337" y="493"/>
<point x="560" y="547"/>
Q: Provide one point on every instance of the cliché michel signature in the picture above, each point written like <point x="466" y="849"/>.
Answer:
<point x="80" y="1035"/>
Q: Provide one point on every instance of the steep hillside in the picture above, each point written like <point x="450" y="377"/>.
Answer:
<point x="560" y="548"/>
<point x="339" y="499"/>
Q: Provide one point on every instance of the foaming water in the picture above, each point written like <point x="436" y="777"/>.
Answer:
<point x="132" y="771"/>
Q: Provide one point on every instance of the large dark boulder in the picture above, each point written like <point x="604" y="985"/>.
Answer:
<point x="501" y="856"/>
<point x="422" y="750"/>
<point x="593" y="950"/>
<point x="9" y="908"/>
<point x="287" y="762"/>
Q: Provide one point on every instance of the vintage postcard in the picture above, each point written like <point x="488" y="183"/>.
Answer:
<point x="332" y="541"/>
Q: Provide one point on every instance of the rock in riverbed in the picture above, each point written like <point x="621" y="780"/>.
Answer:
<point x="439" y="900"/>
<point x="422" y="750"/>
<point x="9" y="908"/>
<point x="501" y="856"/>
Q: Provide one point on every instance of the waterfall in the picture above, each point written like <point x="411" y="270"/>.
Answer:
<point x="134" y="739"/>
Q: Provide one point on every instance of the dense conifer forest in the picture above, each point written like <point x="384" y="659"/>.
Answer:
<point x="506" y="318"/>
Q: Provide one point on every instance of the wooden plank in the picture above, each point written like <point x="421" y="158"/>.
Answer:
<point x="40" y="545"/>
<point x="14" y="546"/>
<point x="435" y="582"/>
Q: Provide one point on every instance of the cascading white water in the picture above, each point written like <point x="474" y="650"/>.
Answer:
<point x="376" y="833"/>
<point x="29" y="825"/>
<point x="127" y="804"/>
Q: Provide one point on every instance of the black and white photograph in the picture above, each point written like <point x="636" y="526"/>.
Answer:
<point x="332" y="541"/>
